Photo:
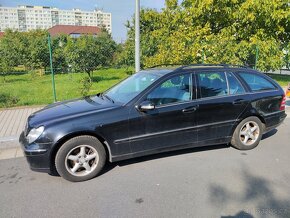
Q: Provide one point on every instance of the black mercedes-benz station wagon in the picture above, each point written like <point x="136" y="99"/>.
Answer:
<point x="153" y="111"/>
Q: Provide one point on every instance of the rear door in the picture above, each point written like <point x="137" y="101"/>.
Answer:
<point x="221" y="100"/>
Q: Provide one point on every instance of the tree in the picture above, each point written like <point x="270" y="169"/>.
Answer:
<point x="37" y="55"/>
<point x="88" y="52"/>
<point x="12" y="51"/>
<point x="217" y="31"/>
<point x="59" y="44"/>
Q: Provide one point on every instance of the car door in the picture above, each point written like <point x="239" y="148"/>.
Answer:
<point x="172" y="122"/>
<point x="222" y="99"/>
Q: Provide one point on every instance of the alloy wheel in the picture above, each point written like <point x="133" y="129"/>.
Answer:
<point x="249" y="133"/>
<point x="81" y="160"/>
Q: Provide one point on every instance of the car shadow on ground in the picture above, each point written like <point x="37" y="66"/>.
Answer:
<point x="109" y="166"/>
<point x="258" y="193"/>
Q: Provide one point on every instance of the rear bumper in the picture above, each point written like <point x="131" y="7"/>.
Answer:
<point x="274" y="120"/>
<point x="37" y="155"/>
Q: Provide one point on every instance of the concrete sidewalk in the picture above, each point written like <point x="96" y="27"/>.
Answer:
<point x="12" y="123"/>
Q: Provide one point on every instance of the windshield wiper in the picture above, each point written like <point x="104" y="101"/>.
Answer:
<point x="107" y="97"/>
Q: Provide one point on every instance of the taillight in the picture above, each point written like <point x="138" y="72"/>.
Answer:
<point x="283" y="103"/>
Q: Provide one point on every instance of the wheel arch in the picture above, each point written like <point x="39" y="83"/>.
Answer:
<point x="261" y="118"/>
<point x="67" y="137"/>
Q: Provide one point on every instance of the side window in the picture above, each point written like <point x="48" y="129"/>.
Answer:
<point x="212" y="84"/>
<point x="257" y="82"/>
<point x="235" y="87"/>
<point x="176" y="89"/>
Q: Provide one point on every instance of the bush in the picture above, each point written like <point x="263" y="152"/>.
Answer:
<point x="7" y="100"/>
<point x="85" y="86"/>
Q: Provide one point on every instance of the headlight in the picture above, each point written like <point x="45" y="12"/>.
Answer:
<point x="34" y="134"/>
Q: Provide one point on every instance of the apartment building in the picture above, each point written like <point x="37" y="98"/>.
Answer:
<point x="25" y="18"/>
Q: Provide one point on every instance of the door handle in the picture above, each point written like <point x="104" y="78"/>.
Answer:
<point x="190" y="109"/>
<point x="240" y="101"/>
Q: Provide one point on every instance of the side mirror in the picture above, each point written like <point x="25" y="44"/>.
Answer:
<point x="146" y="106"/>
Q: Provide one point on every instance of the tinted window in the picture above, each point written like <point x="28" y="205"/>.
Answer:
<point x="212" y="84"/>
<point x="235" y="87"/>
<point x="176" y="89"/>
<point x="256" y="82"/>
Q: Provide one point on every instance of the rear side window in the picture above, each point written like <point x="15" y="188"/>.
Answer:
<point x="212" y="84"/>
<point x="235" y="87"/>
<point x="257" y="82"/>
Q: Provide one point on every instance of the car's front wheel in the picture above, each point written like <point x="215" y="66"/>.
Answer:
<point x="247" y="134"/>
<point x="80" y="158"/>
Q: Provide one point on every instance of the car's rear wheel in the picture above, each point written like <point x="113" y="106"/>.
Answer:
<point x="247" y="134"/>
<point x="80" y="158"/>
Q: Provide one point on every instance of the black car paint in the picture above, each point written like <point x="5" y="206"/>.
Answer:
<point x="126" y="132"/>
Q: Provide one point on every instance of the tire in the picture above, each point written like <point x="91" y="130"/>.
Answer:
<point x="245" y="137"/>
<point x="80" y="158"/>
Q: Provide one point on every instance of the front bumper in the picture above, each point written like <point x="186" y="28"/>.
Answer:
<point x="37" y="154"/>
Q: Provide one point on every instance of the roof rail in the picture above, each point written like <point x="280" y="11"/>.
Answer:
<point x="160" y="65"/>
<point x="209" y="65"/>
<point x="183" y="66"/>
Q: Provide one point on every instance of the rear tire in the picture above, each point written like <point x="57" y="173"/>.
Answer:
<point x="247" y="134"/>
<point x="80" y="158"/>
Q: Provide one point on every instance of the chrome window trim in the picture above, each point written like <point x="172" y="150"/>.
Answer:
<point x="193" y="74"/>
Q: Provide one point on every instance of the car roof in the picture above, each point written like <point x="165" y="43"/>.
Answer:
<point x="162" y="70"/>
<point x="158" y="71"/>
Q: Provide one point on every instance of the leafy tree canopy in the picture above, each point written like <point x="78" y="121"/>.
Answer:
<point x="213" y="31"/>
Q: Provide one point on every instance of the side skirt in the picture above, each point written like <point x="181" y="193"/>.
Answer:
<point x="219" y="141"/>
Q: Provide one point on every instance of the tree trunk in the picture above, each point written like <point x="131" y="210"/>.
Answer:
<point x="89" y="74"/>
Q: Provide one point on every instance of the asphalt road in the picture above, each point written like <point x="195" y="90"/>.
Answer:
<point x="213" y="182"/>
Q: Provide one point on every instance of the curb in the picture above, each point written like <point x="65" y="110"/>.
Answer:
<point x="11" y="153"/>
<point x="9" y="144"/>
<point x="22" y="107"/>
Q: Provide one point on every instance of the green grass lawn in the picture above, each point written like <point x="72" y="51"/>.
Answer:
<point x="283" y="80"/>
<point x="32" y="89"/>
<point x="37" y="90"/>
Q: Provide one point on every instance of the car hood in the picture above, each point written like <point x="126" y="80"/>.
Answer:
<point x="71" y="108"/>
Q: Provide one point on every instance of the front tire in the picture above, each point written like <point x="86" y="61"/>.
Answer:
<point x="247" y="134"/>
<point x="80" y="158"/>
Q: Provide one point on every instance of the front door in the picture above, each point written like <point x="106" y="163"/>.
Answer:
<point x="172" y="122"/>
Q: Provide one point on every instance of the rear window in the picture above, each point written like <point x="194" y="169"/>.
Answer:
<point x="257" y="82"/>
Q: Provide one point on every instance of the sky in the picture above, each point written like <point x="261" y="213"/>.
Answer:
<point x="122" y="10"/>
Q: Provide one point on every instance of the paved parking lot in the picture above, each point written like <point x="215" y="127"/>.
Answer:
<point x="213" y="182"/>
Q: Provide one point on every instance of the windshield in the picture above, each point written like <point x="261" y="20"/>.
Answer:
<point x="128" y="89"/>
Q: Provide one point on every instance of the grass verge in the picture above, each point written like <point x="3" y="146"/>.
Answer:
<point x="283" y="80"/>
<point x="32" y="89"/>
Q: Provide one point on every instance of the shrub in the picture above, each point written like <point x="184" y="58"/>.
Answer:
<point x="7" y="100"/>
<point x="85" y="86"/>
